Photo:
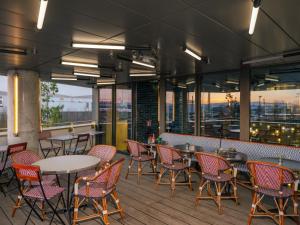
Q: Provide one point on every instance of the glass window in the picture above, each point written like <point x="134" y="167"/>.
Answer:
<point x="63" y="104"/>
<point x="275" y="105"/>
<point x="180" y="105"/>
<point x="3" y="103"/>
<point x="123" y="116"/>
<point x="220" y="105"/>
<point x="105" y="113"/>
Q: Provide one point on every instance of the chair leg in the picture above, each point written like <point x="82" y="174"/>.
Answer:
<point x="198" y="196"/>
<point x="188" y="172"/>
<point x="76" y="206"/>
<point x="18" y="205"/>
<point x="117" y="200"/>
<point x="139" y="171"/>
<point x="161" y="172"/>
<point x="281" y="212"/>
<point x="296" y="209"/>
<point x="105" y="212"/>
<point x="235" y="192"/>
<point x="2" y="190"/>
<point x="172" y="182"/>
<point x="32" y="209"/>
<point x="129" y="168"/>
<point x="219" y="197"/>
<point x="252" y="211"/>
<point x="54" y="209"/>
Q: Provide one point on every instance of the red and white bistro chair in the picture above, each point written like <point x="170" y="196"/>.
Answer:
<point x="105" y="153"/>
<point x="171" y="161"/>
<point x="5" y="165"/>
<point x="37" y="193"/>
<point x="94" y="191"/>
<point x="140" y="154"/>
<point x="217" y="171"/>
<point x="28" y="157"/>
<point x="277" y="182"/>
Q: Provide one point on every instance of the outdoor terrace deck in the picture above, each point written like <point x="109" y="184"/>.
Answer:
<point x="143" y="204"/>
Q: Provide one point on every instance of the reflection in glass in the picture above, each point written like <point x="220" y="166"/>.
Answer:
<point x="180" y="105"/>
<point x="105" y="114"/>
<point x="123" y="116"/>
<point x="220" y="105"/>
<point x="3" y="104"/>
<point x="275" y="106"/>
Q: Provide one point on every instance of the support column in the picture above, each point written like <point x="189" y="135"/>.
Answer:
<point x="25" y="92"/>
<point x="134" y="110"/>
<point x="198" y="83"/>
<point x="244" y="104"/>
<point x="162" y="105"/>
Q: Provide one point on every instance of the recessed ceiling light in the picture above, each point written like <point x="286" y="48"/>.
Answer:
<point x="143" y="64"/>
<point x="255" y="9"/>
<point x="232" y="82"/>
<point x="193" y="54"/>
<point x="98" y="46"/>
<point x="142" y="74"/>
<point x="42" y="12"/>
<point x="90" y="65"/>
<point x="86" y="74"/>
<point x="272" y="78"/>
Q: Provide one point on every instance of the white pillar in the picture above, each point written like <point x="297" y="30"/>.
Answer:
<point x="28" y="108"/>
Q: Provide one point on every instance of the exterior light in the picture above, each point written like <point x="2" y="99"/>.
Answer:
<point x="98" y="46"/>
<point x="193" y="54"/>
<point x="255" y="9"/>
<point x="16" y="105"/>
<point x="143" y="64"/>
<point x="42" y="12"/>
<point x="86" y="74"/>
<point x="90" y="65"/>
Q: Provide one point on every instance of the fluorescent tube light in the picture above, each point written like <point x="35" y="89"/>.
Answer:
<point x="16" y="104"/>
<point x="272" y="78"/>
<point x="86" y="74"/>
<point x="57" y="76"/>
<point x="90" y="65"/>
<point x="98" y="46"/>
<point x="142" y="74"/>
<point x="105" y="83"/>
<point x="253" y="19"/>
<point x="42" y="12"/>
<point x="190" y="82"/>
<point x="232" y="82"/>
<point x="143" y="64"/>
<point x="260" y="84"/>
<point x="192" y="54"/>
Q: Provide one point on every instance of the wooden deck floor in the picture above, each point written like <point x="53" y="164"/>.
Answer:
<point x="143" y="204"/>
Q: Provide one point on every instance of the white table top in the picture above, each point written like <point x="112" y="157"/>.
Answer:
<point x="3" y="148"/>
<point x="67" y="164"/>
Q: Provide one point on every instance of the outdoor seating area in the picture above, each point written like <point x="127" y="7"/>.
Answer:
<point x="174" y="112"/>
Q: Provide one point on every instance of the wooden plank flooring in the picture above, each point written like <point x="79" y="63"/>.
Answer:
<point x="144" y="204"/>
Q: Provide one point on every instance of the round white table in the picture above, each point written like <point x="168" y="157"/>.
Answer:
<point x="67" y="164"/>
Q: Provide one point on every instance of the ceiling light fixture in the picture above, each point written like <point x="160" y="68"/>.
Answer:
<point x="57" y="76"/>
<point x="255" y="9"/>
<point x="190" y="82"/>
<point x="90" y="65"/>
<point x="193" y="54"/>
<point x="11" y="50"/>
<point x="142" y="64"/>
<point x="142" y="74"/>
<point x="42" y="12"/>
<point x="232" y="82"/>
<point x="86" y="74"/>
<point x="271" y="78"/>
<point x="98" y="46"/>
<point x="260" y="84"/>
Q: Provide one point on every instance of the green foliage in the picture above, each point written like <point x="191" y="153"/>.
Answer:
<point x="50" y="115"/>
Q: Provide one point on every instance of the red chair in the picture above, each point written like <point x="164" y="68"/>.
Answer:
<point x="278" y="182"/>
<point x="105" y="153"/>
<point x="140" y="154"/>
<point x="172" y="162"/>
<point x="47" y="146"/>
<point x="28" y="157"/>
<point x="215" y="169"/>
<point x="33" y="194"/>
<point x="5" y="165"/>
<point x="96" y="190"/>
<point x="80" y="146"/>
